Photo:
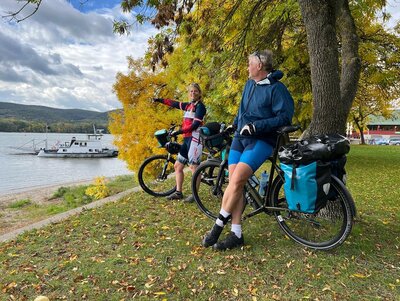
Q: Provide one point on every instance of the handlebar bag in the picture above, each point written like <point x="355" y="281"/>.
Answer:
<point x="162" y="137"/>
<point x="211" y="135"/>
<point x="306" y="186"/>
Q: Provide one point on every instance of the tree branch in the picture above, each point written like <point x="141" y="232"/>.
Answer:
<point x="13" y="15"/>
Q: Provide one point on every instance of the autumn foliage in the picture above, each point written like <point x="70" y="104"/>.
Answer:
<point x="210" y="44"/>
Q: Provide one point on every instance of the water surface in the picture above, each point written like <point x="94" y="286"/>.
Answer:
<point x="19" y="172"/>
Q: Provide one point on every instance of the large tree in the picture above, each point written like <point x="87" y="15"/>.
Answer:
<point x="333" y="89"/>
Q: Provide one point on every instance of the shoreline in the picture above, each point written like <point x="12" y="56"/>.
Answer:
<point x="39" y="194"/>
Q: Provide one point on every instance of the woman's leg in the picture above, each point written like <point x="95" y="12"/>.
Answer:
<point x="179" y="175"/>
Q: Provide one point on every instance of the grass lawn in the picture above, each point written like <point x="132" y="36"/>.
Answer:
<point x="25" y="211"/>
<point x="149" y="248"/>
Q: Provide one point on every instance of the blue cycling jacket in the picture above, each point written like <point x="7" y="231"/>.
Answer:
<point x="266" y="104"/>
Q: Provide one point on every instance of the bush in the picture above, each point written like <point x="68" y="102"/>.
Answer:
<point x="99" y="190"/>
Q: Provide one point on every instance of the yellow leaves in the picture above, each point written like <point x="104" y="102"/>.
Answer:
<point x="235" y="292"/>
<point x="288" y="264"/>
<point x="149" y="259"/>
<point x="359" y="275"/>
<point x="9" y="286"/>
<point x="98" y="190"/>
<point x="151" y="280"/>
<point x="41" y="298"/>
<point x="252" y="290"/>
<point x="159" y="293"/>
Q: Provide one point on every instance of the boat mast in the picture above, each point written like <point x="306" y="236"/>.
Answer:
<point x="47" y="128"/>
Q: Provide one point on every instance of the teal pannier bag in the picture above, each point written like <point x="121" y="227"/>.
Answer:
<point x="306" y="186"/>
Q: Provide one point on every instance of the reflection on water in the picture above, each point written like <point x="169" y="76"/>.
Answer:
<point x="21" y="172"/>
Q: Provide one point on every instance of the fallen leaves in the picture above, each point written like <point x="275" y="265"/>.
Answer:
<point x="359" y="275"/>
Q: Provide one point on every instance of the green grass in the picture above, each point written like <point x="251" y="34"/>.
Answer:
<point x="20" y="204"/>
<point x="64" y="199"/>
<point x="147" y="248"/>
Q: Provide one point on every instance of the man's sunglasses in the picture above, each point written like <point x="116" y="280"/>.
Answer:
<point x="257" y="54"/>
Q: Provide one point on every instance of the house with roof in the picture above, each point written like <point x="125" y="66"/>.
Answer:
<point x="379" y="126"/>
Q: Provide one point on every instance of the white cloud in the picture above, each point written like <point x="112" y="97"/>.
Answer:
<point x="63" y="58"/>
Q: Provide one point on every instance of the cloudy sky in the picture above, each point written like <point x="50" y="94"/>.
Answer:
<point x="66" y="55"/>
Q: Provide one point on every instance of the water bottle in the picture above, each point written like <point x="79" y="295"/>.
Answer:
<point x="262" y="190"/>
<point x="254" y="181"/>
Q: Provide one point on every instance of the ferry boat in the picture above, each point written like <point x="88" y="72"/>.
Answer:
<point x="90" y="147"/>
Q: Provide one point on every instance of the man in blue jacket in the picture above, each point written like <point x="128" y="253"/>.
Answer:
<point x="265" y="106"/>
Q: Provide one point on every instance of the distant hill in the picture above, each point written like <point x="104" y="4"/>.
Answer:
<point x="31" y="118"/>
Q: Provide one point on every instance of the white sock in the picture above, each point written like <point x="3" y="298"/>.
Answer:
<point x="237" y="229"/>
<point x="225" y="214"/>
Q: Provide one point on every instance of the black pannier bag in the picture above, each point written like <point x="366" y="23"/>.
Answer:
<point x="173" y="147"/>
<point x="321" y="147"/>
<point x="211" y="134"/>
<point x="316" y="159"/>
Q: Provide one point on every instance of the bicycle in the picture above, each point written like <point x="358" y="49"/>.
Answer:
<point x="155" y="171"/>
<point x="326" y="229"/>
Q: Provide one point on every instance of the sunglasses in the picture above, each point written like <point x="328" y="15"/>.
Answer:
<point x="257" y="54"/>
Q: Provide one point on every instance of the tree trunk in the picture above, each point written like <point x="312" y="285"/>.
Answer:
<point x="361" y="130"/>
<point x="332" y="98"/>
<point x="351" y="62"/>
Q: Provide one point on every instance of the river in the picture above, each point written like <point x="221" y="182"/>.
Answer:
<point x="20" y="172"/>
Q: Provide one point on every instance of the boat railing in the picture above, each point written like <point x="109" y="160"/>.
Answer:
<point x="33" y="149"/>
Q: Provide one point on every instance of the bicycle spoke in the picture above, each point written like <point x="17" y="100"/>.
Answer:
<point x="156" y="176"/>
<point x="208" y="192"/>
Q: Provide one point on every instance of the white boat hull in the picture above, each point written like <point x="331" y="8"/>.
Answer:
<point x="56" y="154"/>
<point x="90" y="147"/>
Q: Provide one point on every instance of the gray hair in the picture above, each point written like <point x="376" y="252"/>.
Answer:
<point x="265" y="57"/>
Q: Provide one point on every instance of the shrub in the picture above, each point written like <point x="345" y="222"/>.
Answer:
<point x="99" y="189"/>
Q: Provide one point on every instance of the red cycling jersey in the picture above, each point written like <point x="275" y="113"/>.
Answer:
<point x="193" y="116"/>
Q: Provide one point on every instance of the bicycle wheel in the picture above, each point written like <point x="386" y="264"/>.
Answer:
<point x="323" y="230"/>
<point x="207" y="190"/>
<point x="155" y="175"/>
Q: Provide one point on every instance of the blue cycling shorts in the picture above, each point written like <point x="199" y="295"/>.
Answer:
<point x="253" y="152"/>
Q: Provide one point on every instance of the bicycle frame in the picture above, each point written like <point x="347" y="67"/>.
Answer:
<point x="263" y="202"/>
<point x="325" y="229"/>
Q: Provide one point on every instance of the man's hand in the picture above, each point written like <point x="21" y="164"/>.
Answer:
<point x="248" y="130"/>
<point x="230" y="129"/>
<point x="153" y="100"/>
<point x="176" y="133"/>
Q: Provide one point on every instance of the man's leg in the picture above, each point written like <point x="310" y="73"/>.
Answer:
<point x="234" y="203"/>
